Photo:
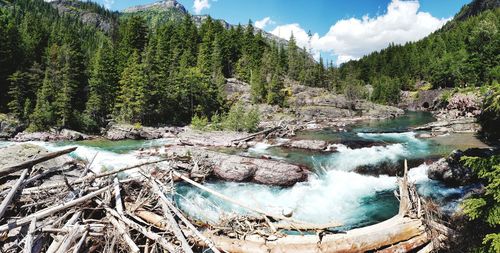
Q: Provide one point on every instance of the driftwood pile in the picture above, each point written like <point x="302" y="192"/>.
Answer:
<point x="102" y="212"/>
<point x="93" y="213"/>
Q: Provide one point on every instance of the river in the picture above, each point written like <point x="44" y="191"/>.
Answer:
<point x="334" y="191"/>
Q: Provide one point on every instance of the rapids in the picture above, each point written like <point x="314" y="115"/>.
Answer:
<point x="334" y="191"/>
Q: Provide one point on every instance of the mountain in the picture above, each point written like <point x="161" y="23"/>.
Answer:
<point x="475" y="8"/>
<point x="89" y="13"/>
<point x="160" y="12"/>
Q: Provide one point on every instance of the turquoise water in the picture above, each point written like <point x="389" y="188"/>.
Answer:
<point x="334" y="191"/>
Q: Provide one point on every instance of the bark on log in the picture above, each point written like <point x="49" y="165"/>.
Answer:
<point x="173" y="223"/>
<point x="80" y="243"/>
<point x="123" y="233"/>
<point x="58" y="240"/>
<point x="28" y="164"/>
<point x="12" y="193"/>
<point x="249" y="137"/>
<point x="392" y="231"/>
<point x="88" y="178"/>
<point x="151" y="235"/>
<point x="408" y="245"/>
<point x="28" y="245"/>
<point x="51" y="210"/>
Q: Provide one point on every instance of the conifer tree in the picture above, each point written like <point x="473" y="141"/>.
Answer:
<point x="131" y="101"/>
<point x="275" y="93"/>
<point x="102" y="86"/>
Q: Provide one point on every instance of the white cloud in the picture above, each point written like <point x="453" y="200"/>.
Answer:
<point x="108" y="3"/>
<point x="264" y="22"/>
<point x="199" y="5"/>
<point x="352" y="38"/>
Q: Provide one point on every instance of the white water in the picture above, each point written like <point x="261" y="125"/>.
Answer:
<point x="101" y="159"/>
<point x="336" y="195"/>
<point x="348" y="159"/>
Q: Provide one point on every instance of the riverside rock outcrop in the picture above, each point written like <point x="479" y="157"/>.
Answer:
<point x="452" y="171"/>
<point x="126" y="131"/>
<point x="9" y="126"/>
<point x="53" y="135"/>
<point x="243" y="169"/>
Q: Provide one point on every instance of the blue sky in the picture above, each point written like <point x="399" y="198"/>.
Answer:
<point x="342" y="30"/>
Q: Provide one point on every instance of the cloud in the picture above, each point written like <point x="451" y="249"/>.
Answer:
<point x="263" y="22"/>
<point x="353" y="38"/>
<point x="199" y="5"/>
<point x="108" y="3"/>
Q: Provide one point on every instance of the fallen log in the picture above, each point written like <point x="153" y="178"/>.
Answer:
<point x="252" y="136"/>
<point x="123" y="233"/>
<point x="173" y="223"/>
<point x="12" y="193"/>
<point x="51" y="210"/>
<point x="389" y="232"/>
<point x="88" y="178"/>
<point x="151" y="235"/>
<point x="28" y="164"/>
<point x="408" y="245"/>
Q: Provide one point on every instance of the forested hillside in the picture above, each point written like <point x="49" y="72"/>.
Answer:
<point x="66" y="73"/>
<point x="465" y="52"/>
<point x="60" y="68"/>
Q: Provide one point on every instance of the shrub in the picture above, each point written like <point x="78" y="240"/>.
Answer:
<point x="239" y="118"/>
<point x="199" y="122"/>
<point x="486" y="207"/>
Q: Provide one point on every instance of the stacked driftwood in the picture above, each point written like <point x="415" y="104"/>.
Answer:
<point x="45" y="211"/>
<point x="91" y="213"/>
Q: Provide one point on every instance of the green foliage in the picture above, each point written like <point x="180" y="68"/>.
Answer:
<point x="237" y="119"/>
<point x="463" y="53"/>
<point x="240" y="118"/>
<point x="199" y="122"/>
<point x="486" y="207"/>
<point x="490" y="116"/>
<point x="276" y="93"/>
<point x="386" y="90"/>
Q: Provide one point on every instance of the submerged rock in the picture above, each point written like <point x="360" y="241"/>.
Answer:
<point x="318" y="145"/>
<point x="452" y="171"/>
<point x="244" y="169"/>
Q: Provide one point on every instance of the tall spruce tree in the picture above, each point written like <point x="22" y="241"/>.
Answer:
<point x="103" y="83"/>
<point x="130" y="104"/>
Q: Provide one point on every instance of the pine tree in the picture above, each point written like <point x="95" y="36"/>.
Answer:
<point x="44" y="114"/>
<point x="275" y="93"/>
<point x="102" y="87"/>
<point x="257" y="86"/>
<point x="293" y="59"/>
<point x="131" y="101"/>
<point x="17" y="93"/>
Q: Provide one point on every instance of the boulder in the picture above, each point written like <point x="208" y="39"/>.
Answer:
<point x="317" y="145"/>
<point x="452" y="171"/>
<point x="461" y="125"/>
<point x="63" y="135"/>
<point x="243" y="169"/>
<point x="126" y="131"/>
<point x="72" y="135"/>
<point x="17" y="153"/>
<point x="9" y="126"/>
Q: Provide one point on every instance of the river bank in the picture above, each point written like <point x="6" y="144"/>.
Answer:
<point x="352" y="166"/>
